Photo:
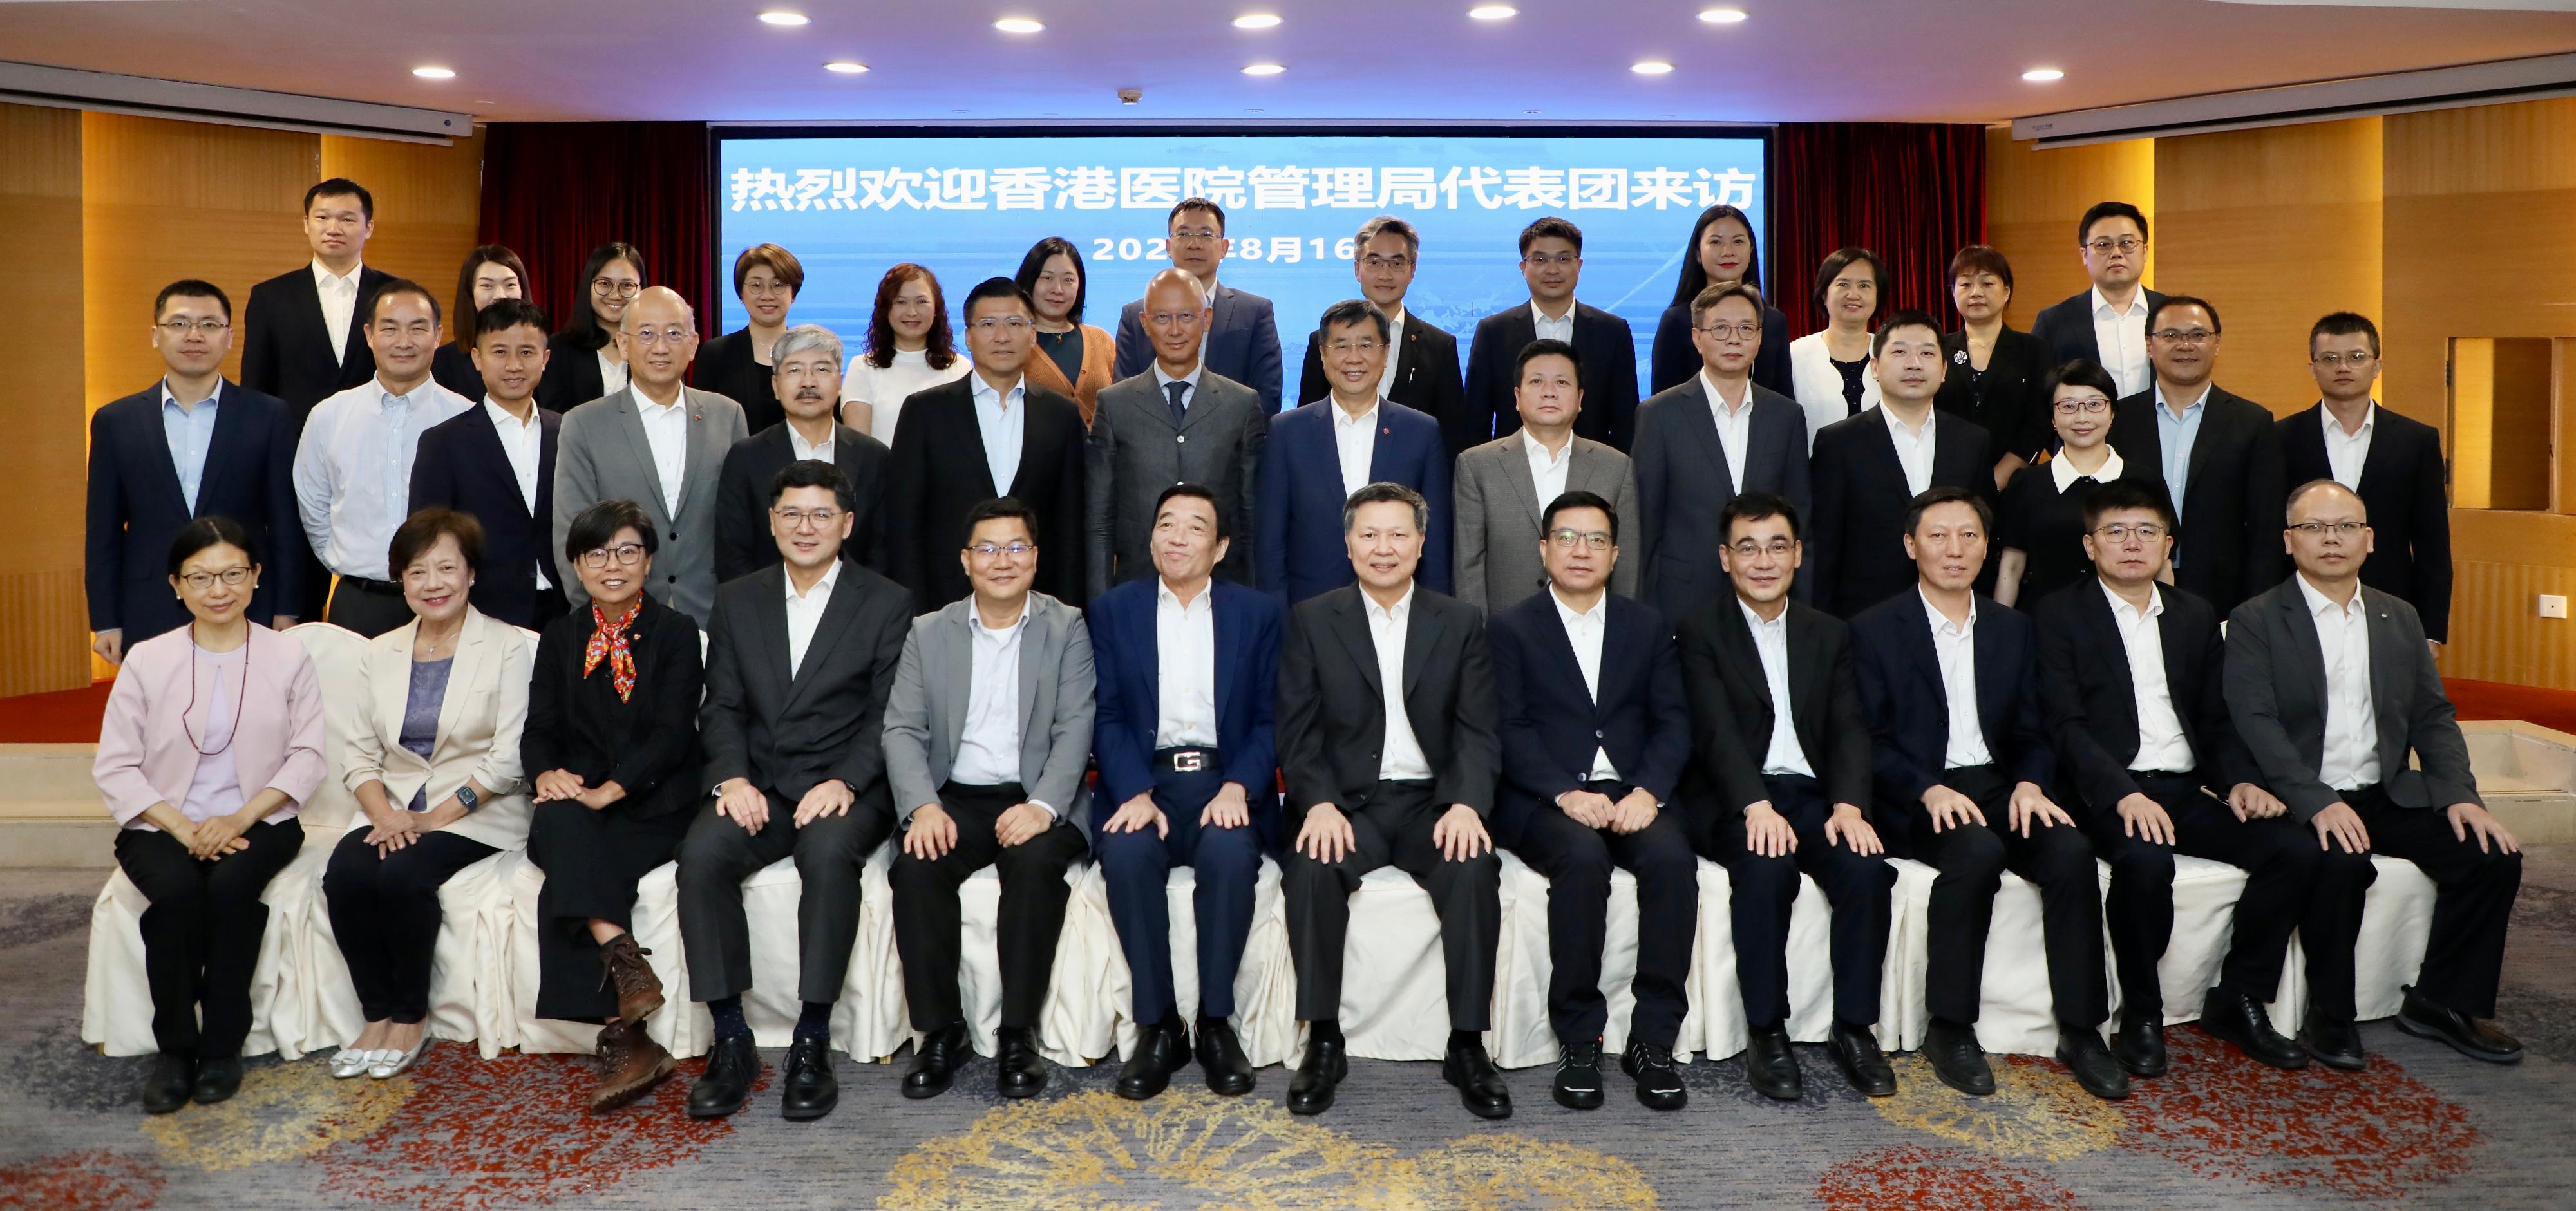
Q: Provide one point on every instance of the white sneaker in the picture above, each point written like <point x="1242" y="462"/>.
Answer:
<point x="389" y="1063"/>
<point x="351" y="1061"/>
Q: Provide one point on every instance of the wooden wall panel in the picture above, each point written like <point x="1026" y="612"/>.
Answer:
<point x="427" y="201"/>
<point x="2034" y="199"/>
<point x="2504" y="561"/>
<point x="44" y="632"/>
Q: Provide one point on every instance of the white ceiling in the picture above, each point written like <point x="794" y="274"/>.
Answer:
<point x="1347" y="60"/>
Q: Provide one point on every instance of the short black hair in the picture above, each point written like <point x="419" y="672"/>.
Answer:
<point x="1707" y="300"/>
<point x="1551" y="226"/>
<point x="997" y="288"/>
<point x="813" y="473"/>
<point x="2110" y="210"/>
<point x="2128" y="494"/>
<point x="1908" y="318"/>
<point x="1544" y="347"/>
<point x="1755" y="506"/>
<point x="593" y="527"/>
<point x="1196" y="203"/>
<point x="505" y="314"/>
<point x="195" y="288"/>
<point x="1195" y="492"/>
<point x="1353" y="311"/>
<point x="2079" y="372"/>
<point x="1578" y="498"/>
<point x="1841" y="259"/>
<point x="1002" y="508"/>
<point x="394" y="286"/>
<point x="2171" y="301"/>
<point x="1946" y="495"/>
<point x="342" y="187"/>
<point x="2290" y="507"/>
<point x="1034" y="264"/>
<point x="2340" y="323"/>
<point x="421" y="531"/>
<point x="1387" y="492"/>
<point x="212" y="530"/>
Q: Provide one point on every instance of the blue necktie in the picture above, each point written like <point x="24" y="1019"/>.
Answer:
<point x="1176" y="390"/>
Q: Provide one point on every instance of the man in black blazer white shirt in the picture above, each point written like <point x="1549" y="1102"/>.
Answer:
<point x="1705" y="439"/>
<point x="497" y="462"/>
<point x="1422" y="373"/>
<point x="2394" y="462"/>
<point x="1552" y="263"/>
<point x="806" y="379"/>
<point x="2107" y="323"/>
<point x="1869" y="468"/>
<point x="2219" y="455"/>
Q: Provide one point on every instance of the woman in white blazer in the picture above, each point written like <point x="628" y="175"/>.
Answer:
<point x="435" y="769"/>
<point x="1830" y="368"/>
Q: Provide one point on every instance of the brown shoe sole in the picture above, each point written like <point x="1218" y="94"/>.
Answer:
<point x="609" y="1097"/>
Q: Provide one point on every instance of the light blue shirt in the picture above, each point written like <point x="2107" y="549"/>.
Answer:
<point x="2175" y="435"/>
<point x="1004" y="420"/>
<point x="191" y="432"/>
<point x="353" y="470"/>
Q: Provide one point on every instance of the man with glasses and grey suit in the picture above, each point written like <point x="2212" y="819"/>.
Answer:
<point x="1179" y="422"/>
<point x="1502" y="485"/>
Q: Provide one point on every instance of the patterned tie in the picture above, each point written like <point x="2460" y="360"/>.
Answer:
<point x="1176" y="390"/>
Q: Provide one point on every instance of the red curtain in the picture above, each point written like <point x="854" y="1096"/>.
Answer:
<point x="1914" y="193"/>
<point x="552" y="191"/>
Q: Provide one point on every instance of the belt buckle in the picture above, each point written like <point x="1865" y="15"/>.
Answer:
<point x="1189" y="762"/>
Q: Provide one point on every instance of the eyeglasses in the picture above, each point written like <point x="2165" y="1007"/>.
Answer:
<point x="1594" y="539"/>
<point x="623" y="290"/>
<point x="1562" y="258"/>
<point x="2341" y="529"/>
<point x="2328" y="360"/>
<point x="1744" y="331"/>
<point x="624" y="554"/>
<point x="659" y="336"/>
<point x="1359" y="346"/>
<point x="1171" y="317"/>
<point x="1196" y="235"/>
<point x="798" y="519"/>
<point x="199" y="582"/>
<point x="2093" y="404"/>
<point x="1777" y="548"/>
<point x="1017" y="550"/>
<point x="992" y="324"/>
<point x="2184" y="336"/>
<point x="2145" y="531"/>
<point x="1374" y="261"/>
<point x="766" y="290"/>
<point x="2123" y="244"/>
<point x="184" y="327"/>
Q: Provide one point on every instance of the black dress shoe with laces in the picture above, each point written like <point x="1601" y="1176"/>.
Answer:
<point x="2240" y="1020"/>
<point x="1322" y="1071"/>
<point x="1578" y="1076"/>
<point x="167" y="1089"/>
<point x="2333" y="1042"/>
<point x="1480" y="1088"/>
<point x="1856" y="1052"/>
<point x="1659" y="1083"/>
<point x="1770" y="1065"/>
<point x="733" y="1067"/>
<point x="1957" y="1059"/>
<point x="2093" y="1065"/>
<point x="1021" y="1072"/>
<point x="1220" y="1056"/>
<point x="2139" y="1045"/>
<point x="1163" y="1048"/>
<point x="810" y="1090"/>
<point x="217" y="1080"/>
<point x="2421" y="1016"/>
<point x="935" y="1061"/>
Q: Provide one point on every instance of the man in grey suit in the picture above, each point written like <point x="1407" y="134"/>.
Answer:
<point x="1701" y="442"/>
<point x="1179" y="423"/>
<point x="986" y="738"/>
<point x="1503" y="485"/>
<point x="657" y="443"/>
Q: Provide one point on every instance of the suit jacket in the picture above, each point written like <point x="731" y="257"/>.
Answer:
<point x="1332" y="710"/>
<point x="2091" y="697"/>
<point x="1732" y="711"/>
<point x="2276" y="692"/>
<point x="1242" y="342"/>
<point x="1098" y="352"/>
<point x="1551" y="725"/>
<point x="1856" y="544"/>
<point x="572" y="373"/>
<point x="937" y="472"/>
<point x="479" y="724"/>
<point x="1818" y="386"/>
<point x="743" y="540"/>
<point x="2065" y="328"/>
<point x="2404" y="488"/>
<point x="1127" y="672"/>
<point x="725" y="365"/>
<point x="1609" y="353"/>
<point x="925" y="720"/>
<point x="647" y="745"/>
<point x="1676" y="360"/>
<point x="1909" y="712"/>
<point x="1136" y="452"/>
<point x="787" y="732"/>
<point x="2008" y="402"/>
<point x="2228" y="547"/>
<point x="286" y="345"/>
<point x="1498" y="517"/>
<point x="1683" y="483"/>
<point x="1427" y="378"/>
<point x="147" y="747"/>
<point x="136" y="507"/>
<point x="603" y="455"/>
<point x="1297" y="510"/>
<point x="462" y="465"/>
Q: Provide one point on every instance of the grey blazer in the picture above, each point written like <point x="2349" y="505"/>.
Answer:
<point x="603" y="455"/>
<point x="1683" y="484"/>
<point x="2276" y="694"/>
<point x="1136" y="452"/>
<point x="925" y="717"/>
<point x="1497" y="525"/>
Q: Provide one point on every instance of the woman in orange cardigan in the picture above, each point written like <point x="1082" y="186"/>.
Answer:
<point x="1077" y="355"/>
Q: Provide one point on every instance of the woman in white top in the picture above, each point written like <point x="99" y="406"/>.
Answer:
<point x="910" y="348"/>
<point x="1830" y="367"/>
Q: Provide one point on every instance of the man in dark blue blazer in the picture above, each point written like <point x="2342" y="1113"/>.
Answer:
<point x="1185" y="667"/>
<point x="1948" y="683"/>
<point x="1319" y="453"/>
<point x="1551" y="262"/>
<point x="1595" y="733"/>
<point x="1242" y="335"/>
<point x="497" y="462"/>
<point x="2111" y="239"/>
<point x="189" y="446"/>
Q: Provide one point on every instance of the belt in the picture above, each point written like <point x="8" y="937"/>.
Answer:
<point x="1184" y="760"/>
<point x="381" y="588"/>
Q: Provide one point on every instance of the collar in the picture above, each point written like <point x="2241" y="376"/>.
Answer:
<point x="2198" y="403"/>
<point x="1708" y="386"/>
<point x="2325" y="416"/>
<point x="985" y="393"/>
<point x="1395" y="316"/>
<point x="1940" y="621"/>
<point x="1599" y="612"/>
<point x="1192" y="378"/>
<point x="822" y="588"/>
<point x="1401" y="610"/>
<point x="975" y="621"/>
<point x="2320" y="605"/>
<point x="2120" y="605"/>
<point x="658" y="410"/>
<point x="501" y="416"/>
<point x="1342" y="416"/>
<point x="1540" y="317"/>
<point x="216" y="396"/>
<point x="324" y="279"/>
<point x="2062" y="470"/>
<point x="386" y="393"/>
<point x="1755" y="620"/>
<point x="1538" y="452"/>
<point x="796" y="441"/>
<point x="1163" y="594"/>
<point x="2137" y="304"/>
<point x="1896" y="427"/>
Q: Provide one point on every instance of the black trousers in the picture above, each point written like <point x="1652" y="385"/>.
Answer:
<point x="2473" y="902"/>
<point x="384" y="913"/>
<point x="369" y="608"/>
<point x="926" y="917"/>
<point x="1137" y="868"/>
<point x="1394" y="828"/>
<point x="1577" y="862"/>
<point x="1858" y="886"/>
<point x="717" y="855"/>
<point x="1972" y="859"/>
<point x="202" y="933"/>
<point x="592" y="860"/>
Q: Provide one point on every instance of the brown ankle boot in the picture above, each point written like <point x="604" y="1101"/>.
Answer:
<point x="639" y="991"/>
<point x="630" y="1064"/>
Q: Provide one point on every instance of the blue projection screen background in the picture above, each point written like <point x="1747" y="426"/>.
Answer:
<point x="969" y="206"/>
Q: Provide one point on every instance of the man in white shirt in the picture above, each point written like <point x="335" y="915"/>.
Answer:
<point x="353" y="465"/>
<point x="2106" y="324"/>
<point x="1505" y="484"/>
<point x="497" y="462"/>
<point x="1318" y="454"/>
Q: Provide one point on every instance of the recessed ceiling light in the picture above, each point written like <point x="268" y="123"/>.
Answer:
<point x="1263" y="69"/>
<point x="1721" y="16"/>
<point x="1493" y="12"/>
<point x="2043" y="75"/>
<point x="1018" y="25"/>
<point x="433" y="73"/>
<point x="845" y="67"/>
<point x="780" y="16"/>
<point x="1256" y="21"/>
<point x="1651" y="67"/>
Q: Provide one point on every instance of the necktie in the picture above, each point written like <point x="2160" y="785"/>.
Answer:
<point x="1176" y="390"/>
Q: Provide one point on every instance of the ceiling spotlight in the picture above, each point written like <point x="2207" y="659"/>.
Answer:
<point x="2043" y="75"/>
<point x="780" y="16"/>
<point x="845" y="67"/>
<point x="433" y="73"/>
<point x="1651" y="67"/>
<point x="1721" y="16"/>
<point x="1263" y="69"/>
<point x="1018" y="25"/>
<point x="1493" y="12"/>
<point x="1256" y="21"/>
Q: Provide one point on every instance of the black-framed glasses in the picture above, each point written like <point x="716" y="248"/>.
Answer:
<point x="2145" y="531"/>
<point x="1777" y="548"/>
<point x="624" y="554"/>
<point x="612" y="286"/>
<point x="184" y="327"/>
<point x="2341" y="529"/>
<point x="798" y="519"/>
<point x="199" y="582"/>
<point x="1742" y="332"/>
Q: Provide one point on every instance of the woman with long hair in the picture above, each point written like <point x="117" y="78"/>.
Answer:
<point x="491" y="272"/>
<point x="585" y="362"/>
<point x="1721" y="252"/>
<point x="910" y="348"/>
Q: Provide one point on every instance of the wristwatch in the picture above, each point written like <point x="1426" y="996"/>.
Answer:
<point x="466" y="796"/>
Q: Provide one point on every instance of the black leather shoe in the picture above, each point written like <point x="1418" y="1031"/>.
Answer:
<point x="1480" y="1088"/>
<point x="2241" y="1021"/>
<point x="1659" y="1084"/>
<point x="1957" y="1059"/>
<point x="2421" y="1017"/>
<point x="1019" y="1070"/>
<point x="810" y="1090"/>
<point x="167" y="1089"/>
<point x="1326" y="1064"/>
<point x="2139" y="1045"/>
<point x="1163" y="1047"/>
<point x="2334" y="1042"/>
<point x="733" y="1067"/>
<point x="1856" y="1051"/>
<point x="2092" y="1063"/>
<point x="935" y="1061"/>
<point x="217" y="1079"/>
<point x="1770" y="1066"/>
<point x="1578" y="1076"/>
<point x="1220" y="1056"/>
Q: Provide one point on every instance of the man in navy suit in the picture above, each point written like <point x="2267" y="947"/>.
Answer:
<point x="2107" y="323"/>
<point x="191" y="446"/>
<point x="1320" y="453"/>
<point x="1948" y="683"/>
<point x="1595" y="733"/>
<point x="497" y="462"/>
<point x="1185" y="667"/>
<point x="1242" y="335"/>
<point x="1552" y="262"/>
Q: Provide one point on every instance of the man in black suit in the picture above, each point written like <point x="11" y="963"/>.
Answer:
<point x="2131" y="672"/>
<point x="1784" y="771"/>
<point x="1869" y="468"/>
<point x="1595" y="733"/>
<point x="1948" y="684"/>
<point x="806" y="376"/>
<point x="2106" y="324"/>
<point x="2219" y="455"/>
<point x="987" y="435"/>
<point x="1242" y="341"/>
<point x="2394" y="462"/>
<point x="190" y="446"/>
<point x="1423" y="373"/>
<point x="800" y="659"/>
<point x="1552" y="262"/>
<point x="1386" y="729"/>
<point x="497" y="462"/>
<point x="2333" y="687"/>
<point x="1705" y="439"/>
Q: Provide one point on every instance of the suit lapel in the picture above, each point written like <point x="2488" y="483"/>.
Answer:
<point x="2377" y="464"/>
<point x="1745" y="656"/>
<point x="631" y="418"/>
<point x="1350" y="622"/>
<point x="1421" y="632"/>
<point x="2302" y="657"/>
<point x="495" y="457"/>
<point x="1379" y="455"/>
<point x="2213" y="431"/>
<point x="837" y="614"/>
<point x="473" y="647"/>
<point x="1221" y="630"/>
<point x="1408" y="358"/>
<point x="2388" y="655"/>
<point x="1200" y="399"/>
<point x="220" y="460"/>
<point x="1523" y="481"/>
<point x="983" y="467"/>
<point x="1700" y="423"/>
<point x="1037" y="634"/>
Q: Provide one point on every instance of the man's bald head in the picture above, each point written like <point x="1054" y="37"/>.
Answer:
<point x="658" y="305"/>
<point x="658" y="334"/>
<point x="1176" y="317"/>
<point x="2318" y="494"/>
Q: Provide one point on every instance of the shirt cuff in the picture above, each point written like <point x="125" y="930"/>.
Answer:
<point x="1051" y="812"/>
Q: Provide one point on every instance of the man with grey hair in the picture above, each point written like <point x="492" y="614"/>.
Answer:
<point x="1320" y="453"/>
<point x="1422" y="369"/>
<point x="806" y="375"/>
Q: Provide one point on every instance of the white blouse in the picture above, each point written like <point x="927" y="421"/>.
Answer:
<point x="885" y="390"/>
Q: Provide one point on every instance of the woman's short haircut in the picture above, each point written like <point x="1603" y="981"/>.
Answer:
<point x="1355" y="311"/>
<point x="2079" y="372"/>
<point x="421" y="531"/>
<point x="1981" y="258"/>
<point x="212" y="530"/>
<point x="782" y="264"/>
<point x="813" y="473"/>
<point x="1546" y="347"/>
<point x="597" y="526"/>
<point x="488" y="254"/>
<point x="1034" y="264"/>
<point x="1002" y="508"/>
<point x="1841" y="259"/>
<point x="1755" y="506"/>
<point x="1948" y="495"/>
<point x="1578" y="498"/>
<point x="1195" y="492"/>
<point x="1387" y="492"/>
<point x="803" y="338"/>
<point x="939" y="345"/>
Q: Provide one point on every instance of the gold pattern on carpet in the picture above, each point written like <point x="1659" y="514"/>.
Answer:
<point x="283" y="1112"/>
<point x="2037" y="1112"/>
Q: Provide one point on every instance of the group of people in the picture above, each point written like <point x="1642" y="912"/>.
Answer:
<point x="942" y="601"/>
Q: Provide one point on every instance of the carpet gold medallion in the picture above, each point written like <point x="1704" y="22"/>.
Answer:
<point x="2035" y="1113"/>
<point x="283" y="1112"/>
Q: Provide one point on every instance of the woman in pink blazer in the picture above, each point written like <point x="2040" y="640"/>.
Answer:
<point x="213" y="737"/>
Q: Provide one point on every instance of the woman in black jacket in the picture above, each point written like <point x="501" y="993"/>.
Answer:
<point x="1994" y="378"/>
<point x="583" y="361"/>
<point x="1721" y="253"/>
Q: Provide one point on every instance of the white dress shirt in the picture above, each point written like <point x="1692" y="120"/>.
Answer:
<point x="1003" y="418"/>
<point x="666" y="433"/>
<point x="2162" y="745"/>
<point x="1785" y="755"/>
<point x="2122" y="338"/>
<point x="1914" y="448"/>
<point x="1401" y="755"/>
<point x="1184" y="668"/>
<point x="1734" y="426"/>
<point x="1955" y="645"/>
<point x="353" y="470"/>
<point x="805" y="612"/>
<point x="1583" y="629"/>
<point x="1394" y="343"/>
<point x="2346" y="452"/>
<point x="615" y="374"/>
<point x="988" y="753"/>
<point x="1558" y="329"/>
<point x="1355" y="442"/>
<point x="524" y="442"/>
<point x="2063" y="473"/>
<point x="339" y="304"/>
<point x="1547" y="471"/>
<point x="803" y="450"/>
<point x="2350" y="759"/>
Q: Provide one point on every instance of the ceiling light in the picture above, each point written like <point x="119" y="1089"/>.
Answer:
<point x="1256" y="21"/>
<point x="1651" y="67"/>
<point x="845" y="67"/>
<point x="1263" y="69"/>
<point x="433" y="73"/>
<point x="779" y="16"/>
<point x="1721" y="16"/>
<point x="2043" y="75"/>
<point x="1493" y="12"/>
<point x="1018" y="25"/>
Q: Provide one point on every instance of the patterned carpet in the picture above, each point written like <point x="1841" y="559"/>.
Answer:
<point x="2422" y="1128"/>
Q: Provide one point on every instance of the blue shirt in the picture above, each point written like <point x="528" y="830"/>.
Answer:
<point x="190" y="431"/>
<point x="1004" y="421"/>
<point x="2175" y="435"/>
<point x="353" y="471"/>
